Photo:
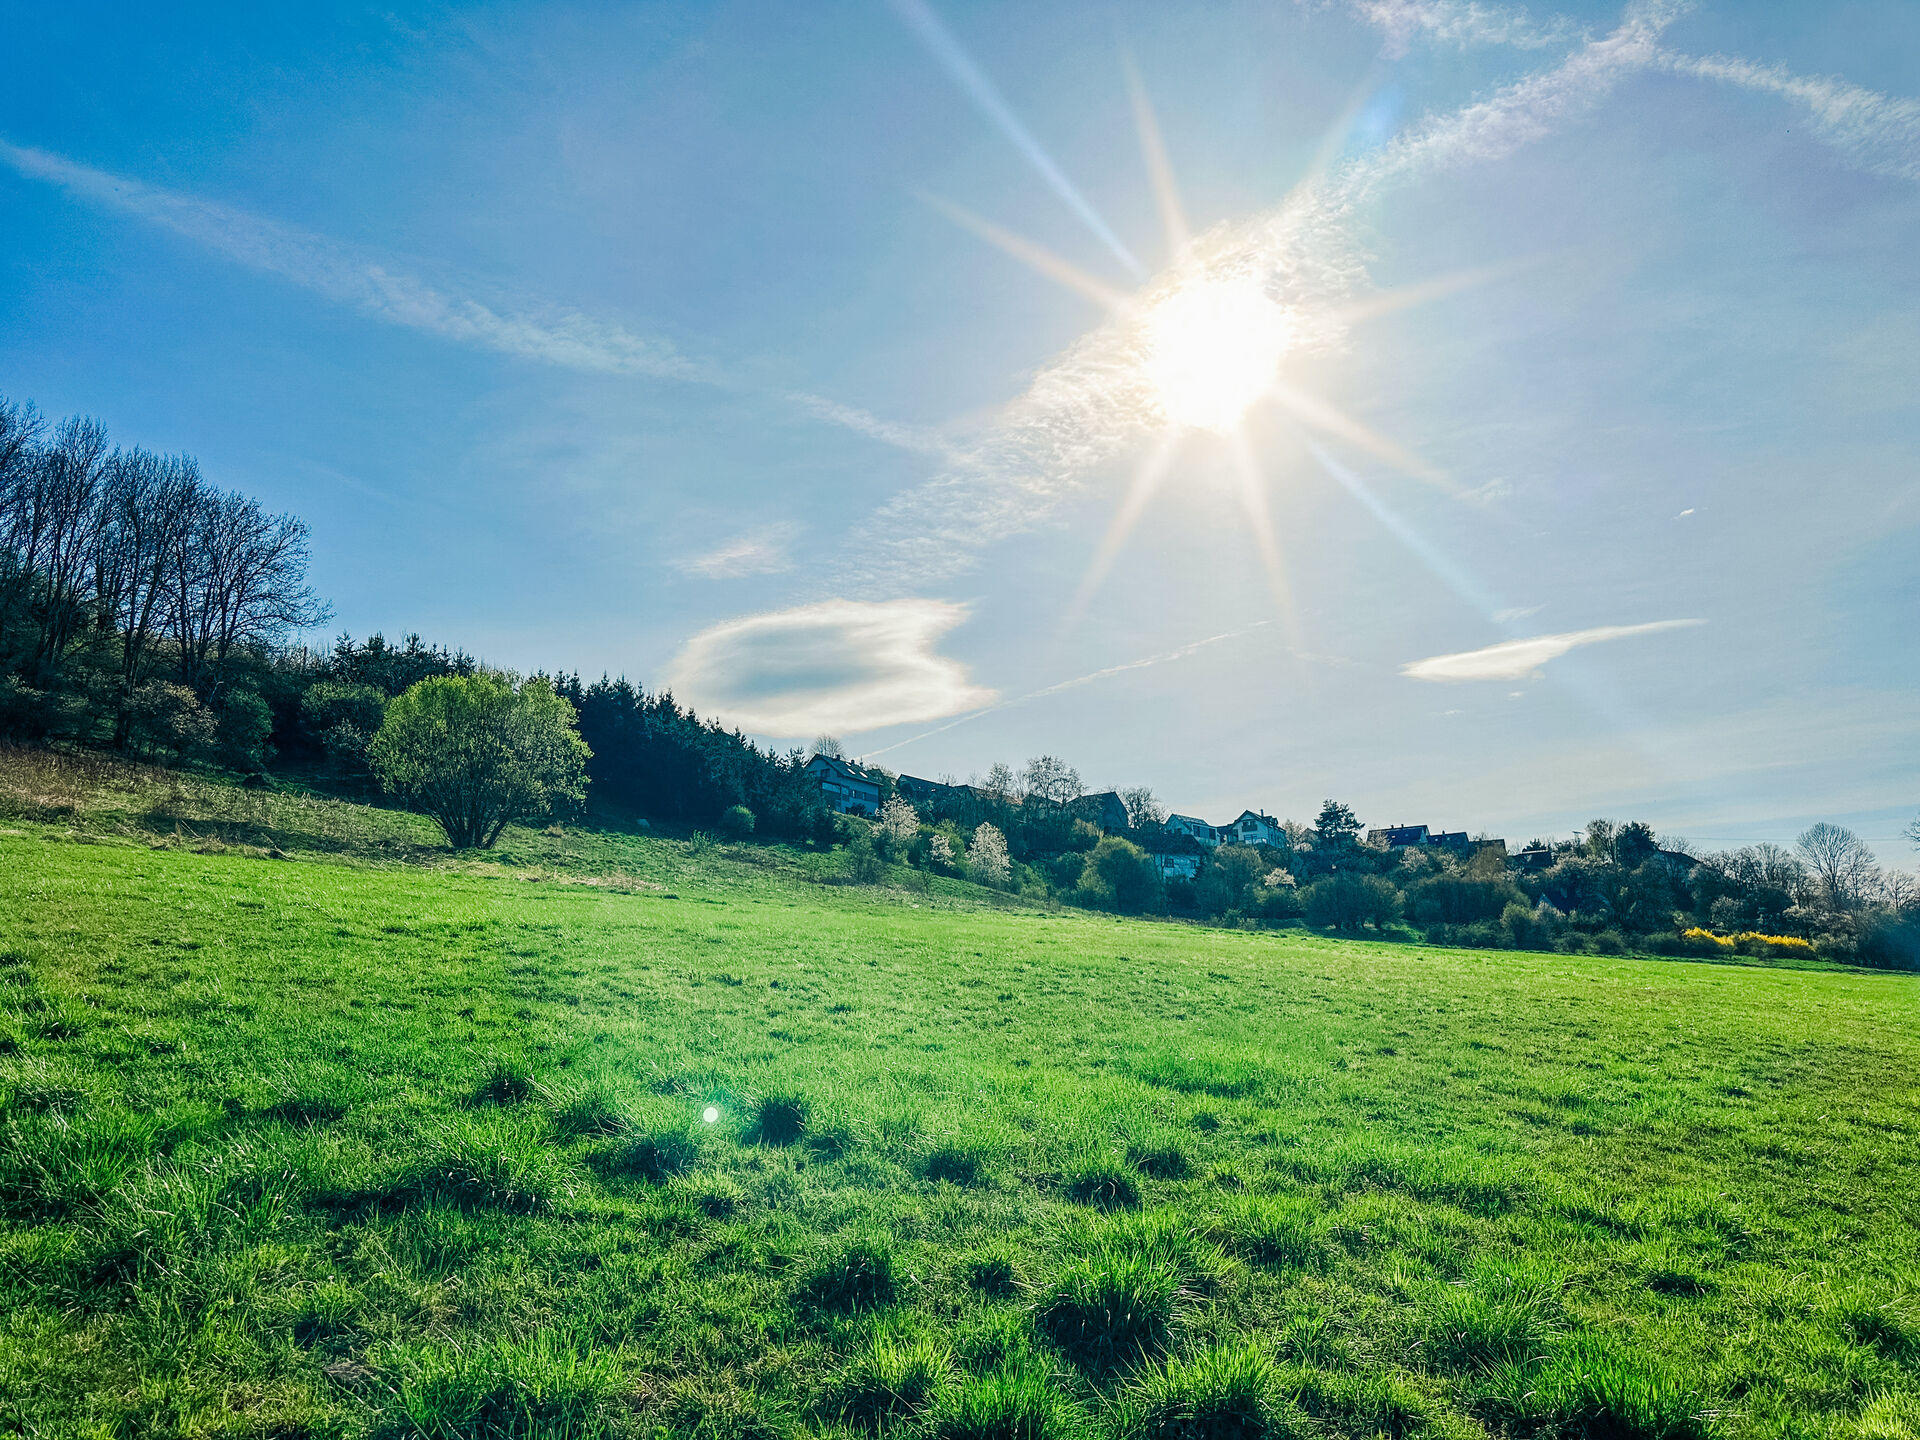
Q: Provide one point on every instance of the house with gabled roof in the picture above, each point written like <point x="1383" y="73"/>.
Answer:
<point x="845" y="786"/>
<point x="1255" y="828"/>
<point x="1193" y="829"/>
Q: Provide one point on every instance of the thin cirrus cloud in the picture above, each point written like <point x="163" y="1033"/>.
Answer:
<point x="763" y="552"/>
<point x="1519" y="659"/>
<point x="1091" y="405"/>
<point x="839" y="665"/>
<point x="352" y="276"/>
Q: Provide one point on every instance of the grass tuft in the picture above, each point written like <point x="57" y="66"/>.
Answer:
<point x="529" y="1388"/>
<point x="507" y="1082"/>
<point x="1502" y="1317"/>
<point x="593" y="1110"/>
<point x="855" y="1275"/>
<point x="954" y="1165"/>
<point x="481" y="1166"/>
<point x="1103" y="1184"/>
<point x="993" y="1274"/>
<point x="655" y="1157"/>
<point x="1109" y="1310"/>
<point x="1160" y="1162"/>
<point x="780" y="1119"/>
<point x="1229" y="1393"/>
<point x="1609" y="1390"/>
<point x="1016" y="1403"/>
<point x="891" y="1380"/>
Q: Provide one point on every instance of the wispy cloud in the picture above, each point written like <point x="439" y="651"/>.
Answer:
<point x="355" y="277"/>
<point x="1094" y="403"/>
<point x="370" y="283"/>
<point x="1518" y="659"/>
<point x="1878" y="133"/>
<point x="840" y="666"/>
<point x="1463" y="24"/>
<point x="1164" y="657"/>
<point x="759" y="552"/>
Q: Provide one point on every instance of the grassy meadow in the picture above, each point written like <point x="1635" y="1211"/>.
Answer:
<point x="309" y="1128"/>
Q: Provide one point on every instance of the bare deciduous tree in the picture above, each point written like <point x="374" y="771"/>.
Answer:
<point x="1842" y="865"/>
<point x="1144" y="812"/>
<point x="1052" y="780"/>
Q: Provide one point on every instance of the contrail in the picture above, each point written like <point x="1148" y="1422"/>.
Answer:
<point x="942" y="45"/>
<point x="352" y="276"/>
<point x="1163" y="658"/>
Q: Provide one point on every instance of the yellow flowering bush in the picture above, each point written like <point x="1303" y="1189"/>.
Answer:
<point x="1751" y="939"/>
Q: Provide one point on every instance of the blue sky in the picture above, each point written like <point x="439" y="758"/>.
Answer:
<point x="805" y="358"/>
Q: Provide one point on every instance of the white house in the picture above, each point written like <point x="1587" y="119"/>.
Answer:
<point x="1178" y="867"/>
<point x="847" y="788"/>
<point x="1208" y="835"/>
<point x="1253" y="828"/>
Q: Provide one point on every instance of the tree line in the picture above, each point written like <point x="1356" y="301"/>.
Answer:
<point x="1611" y="889"/>
<point x="145" y="610"/>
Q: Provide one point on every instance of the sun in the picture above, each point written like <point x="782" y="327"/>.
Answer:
<point x="1213" y="348"/>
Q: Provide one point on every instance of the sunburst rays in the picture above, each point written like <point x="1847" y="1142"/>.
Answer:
<point x="1207" y="374"/>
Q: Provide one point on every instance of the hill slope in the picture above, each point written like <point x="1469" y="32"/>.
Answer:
<point x="294" y="1148"/>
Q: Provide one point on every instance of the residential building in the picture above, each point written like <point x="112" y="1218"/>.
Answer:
<point x="1106" y="809"/>
<point x="1194" y="829"/>
<point x="846" y="787"/>
<point x="1254" y="828"/>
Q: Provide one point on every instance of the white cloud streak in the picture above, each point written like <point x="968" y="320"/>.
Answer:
<point x="1463" y="24"/>
<point x="1094" y="402"/>
<point x="1091" y="404"/>
<point x="841" y="666"/>
<point x="1878" y="133"/>
<point x="348" y="276"/>
<point x="351" y="276"/>
<point x="761" y="552"/>
<point x="1519" y="659"/>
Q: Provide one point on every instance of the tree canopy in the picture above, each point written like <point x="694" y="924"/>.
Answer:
<point x="476" y="753"/>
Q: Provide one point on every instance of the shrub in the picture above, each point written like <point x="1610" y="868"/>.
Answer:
<point x="864" y="865"/>
<point x="1228" y="1393"/>
<point x="1119" y="875"/>
<point x="1104" y="1185"/>
<point x="736" y="822"/>
<point x="1889" y="942"/>
<point x="1349" y="902"/>
<point x="856" y="1275"/>
<point x="780" y="1119"/>
<point x="1110" y="1309"/>
<point x="890" y="1380"/>
<point x="1015" y="1403"/>
<point x="476" y="753"/>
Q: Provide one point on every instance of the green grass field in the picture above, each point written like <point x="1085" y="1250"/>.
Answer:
<point x="373" y="1142"/>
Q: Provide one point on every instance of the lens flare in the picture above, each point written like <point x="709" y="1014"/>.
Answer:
<point x="1213" y="349"/>
<point x="710" y="1114"/>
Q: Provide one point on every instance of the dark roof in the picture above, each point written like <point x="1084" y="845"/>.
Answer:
<point x="1401" y="834"/>
<point x="841" y="769"/>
